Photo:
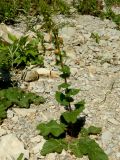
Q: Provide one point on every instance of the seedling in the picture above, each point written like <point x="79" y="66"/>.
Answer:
<point x="96" y="37"/>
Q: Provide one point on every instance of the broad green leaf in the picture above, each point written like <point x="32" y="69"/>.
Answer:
<point x="84" y="132"/>
<point x="71" y="116"/>
<point x="94" y="150"/>
<point x="75" y="148"/>
<point x="63" y="85"/>
<point x="53" y="145"/>
<point x="87" y="146"/>
<point x="12" y="37"/>
<point x="94" y="130"/>
<point x="51" y="128"/>
<point x="11" y="96"/>
<point x="60" y="97"/>
<point x="73" y="92"/>
<point x="91" y="130"/>
<point x="66" y="71"/>
<point x="80" y="104"/>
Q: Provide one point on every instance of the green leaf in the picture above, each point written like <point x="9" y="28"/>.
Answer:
<point x="12" y="37"/>
<point x="63" y="85"/>
<point x="71" y="116"/>
<point x="84" y="132"/>
<point x="87" y="146"/>
<point x="66" y="71"/>
<point x="73" y="92"/>
<point x="51" y="128"/>
<point x="91" y="130"/>
<point x="80" y="104"/>
<point x="60" y="97"/>
<point x="53" y="145"/>
<point x="94" y="130"/>
<point x="75" y="148"/>
<point x="11" y="96"/>
<point x="3" y="113"/>
<point x="94" y="150"/>
<point x="20" y="156"/>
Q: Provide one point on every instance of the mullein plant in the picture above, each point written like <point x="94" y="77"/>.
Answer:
<point x="69" y="133"/>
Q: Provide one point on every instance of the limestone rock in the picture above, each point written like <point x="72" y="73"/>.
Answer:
<point x="106" y="137"/>
<point x="67" y="33"/>
<point x="36" y="149"/>
<point x="5" y="30"/>
<point x="31" y="76"/>
<point x="24" y="112"/>
<point x="36" y="139"/>
<point x="11" y="148"/>
<point x="44" y="72"/>
<point x="47" y="38"/>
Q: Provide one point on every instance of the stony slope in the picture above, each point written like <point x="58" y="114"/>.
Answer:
<point x="95" y="70"/>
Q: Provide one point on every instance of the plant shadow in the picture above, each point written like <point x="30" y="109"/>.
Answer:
<point x="73" y="129"/>
<point x="5" y="79"/>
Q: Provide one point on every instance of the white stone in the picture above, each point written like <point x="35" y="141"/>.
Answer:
<point x="67" y="32"/>
<point x="31" y="76"/>
<point x="51" y="156"/>
<point x="15" y="119"/>
<point x="24" y="112"/>
<point x="79" y="41"/>
<point x="118" y="155"/>
<point x="113" y="121"/>
<point x="47" y="38"/>
<point x="46" y="72"/>
<point x="106" y="137"/>
<point x="11" y="148"/>
<point x="38" y="147"/>
<point x="5" y="30"/>
<point x="36" y="139"/>
<point x="49" y="46"/>
<point x="10" y="113"/>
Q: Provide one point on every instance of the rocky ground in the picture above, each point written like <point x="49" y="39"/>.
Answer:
<point x="95" y="70"/>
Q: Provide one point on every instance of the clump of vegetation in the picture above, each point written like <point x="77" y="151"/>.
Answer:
<point x="10" y="9"/>
<point x="15" y="96"/>
<point x="112" y="16"/>
<point x="91" y="7"/>
<point x="69" y="133"/>
<point x="96" y="8"/>
<point x="112" y="2"/>
<point x="20" y="53"/>
<point x="53" y="6"/>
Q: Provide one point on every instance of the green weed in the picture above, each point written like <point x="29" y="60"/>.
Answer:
<point x="69" y="133"/>
<point x="15" y="96"/>
<point x="96" y="37"/>
<point x="20" y="53"/>
<point x="112" y="16"/>
<point x="90" y="7"/>
<point x="11" y="9"/>
<point x="112" y="2"/>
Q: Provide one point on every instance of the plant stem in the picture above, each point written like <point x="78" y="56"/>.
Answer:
<point x="57" y="46"/>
